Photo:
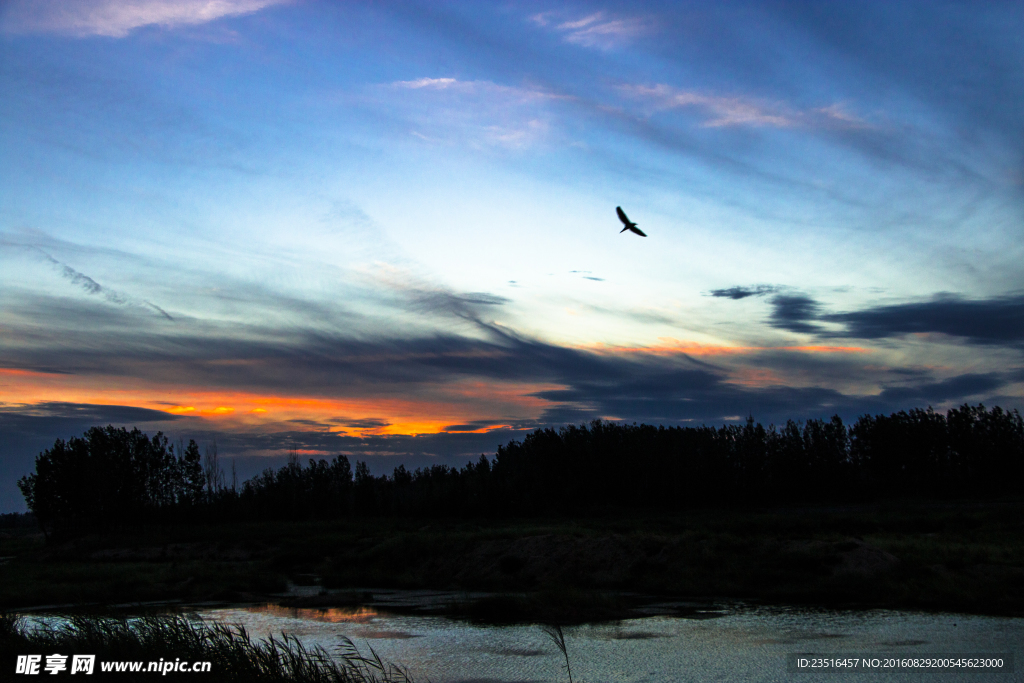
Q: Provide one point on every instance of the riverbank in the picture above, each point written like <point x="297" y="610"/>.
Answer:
<point x="962" y="557"/>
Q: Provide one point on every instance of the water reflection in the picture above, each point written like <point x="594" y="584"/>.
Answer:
<point x="334" y="615"/>
<point x="742" y="644"/>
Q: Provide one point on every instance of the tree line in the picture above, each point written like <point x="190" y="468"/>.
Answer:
<point x="112" y="477"/>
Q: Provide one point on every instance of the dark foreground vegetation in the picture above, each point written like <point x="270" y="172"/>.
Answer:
<point x="963" y="556"/>
<point x="112" y="477"/>
<point x="233" y="655"/>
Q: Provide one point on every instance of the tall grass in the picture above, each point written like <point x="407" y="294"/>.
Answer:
<point x="234" y="654"/>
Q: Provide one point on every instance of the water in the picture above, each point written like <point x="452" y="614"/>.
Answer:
<point x="735" y="643"/>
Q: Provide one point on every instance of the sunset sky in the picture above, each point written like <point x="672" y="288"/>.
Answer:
<point x="388" y="229"/>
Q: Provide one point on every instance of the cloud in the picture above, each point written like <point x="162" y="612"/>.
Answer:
<point x="959" y="388"/>
<point x="739" y="111"/>
<point x="432" y="83"/>
<point x="476" y="112"/>
<point x="567" y="385"/>
<point x="487" y="89"/>
<point x="88" y="412"/>
<point x="794" y="312"/>
<point x="597" y="30"/>
<point x="437" y="301"/>
<point x="118" y="18"/>
<point x="365" y="423"/>
<point x="743" y="292"/>
<point x="90" y="286"/>
<point x="998" y="320"/>
<point x="995" y="321"/>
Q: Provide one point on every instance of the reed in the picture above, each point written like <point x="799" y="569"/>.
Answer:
<point x="554" y="631"/>
<point x="233" y="653"/>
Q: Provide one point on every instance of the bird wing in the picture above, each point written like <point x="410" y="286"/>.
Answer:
<point x="622" y="215"/>
<point x="638" y="231"/>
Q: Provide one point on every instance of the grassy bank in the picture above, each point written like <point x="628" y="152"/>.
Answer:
<point x="232" y="654"/>
<point x="966" y="557"/>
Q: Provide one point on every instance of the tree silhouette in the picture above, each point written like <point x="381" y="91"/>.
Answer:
<point x="115" y="477"/>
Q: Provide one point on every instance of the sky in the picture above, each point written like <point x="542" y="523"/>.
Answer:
<point x="388" y="230"/>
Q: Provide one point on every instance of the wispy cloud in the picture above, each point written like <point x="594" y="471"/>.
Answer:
<point x="433" y="83"/>
<point x="599" y="30"/>
<point x="118" y="18"/>
<point x="721" y="111"/>
<point x="90" y="286"/>
<point x="479" y="87"/>
<point x="479" y="113"/>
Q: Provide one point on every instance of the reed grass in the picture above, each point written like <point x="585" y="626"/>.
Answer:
<point x="554" y="631"/>
<point x="234" y="654"/>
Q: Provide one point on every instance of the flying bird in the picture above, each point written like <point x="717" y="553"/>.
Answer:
<point x="630" y="225"/>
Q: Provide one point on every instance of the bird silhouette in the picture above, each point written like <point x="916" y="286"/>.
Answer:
<point x="630" y="225"/>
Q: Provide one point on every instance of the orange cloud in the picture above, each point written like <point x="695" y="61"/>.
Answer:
<point x="669" y="346"/>
<point x="755" y="378"/>
<point x="824" y="349"/>
<point x="18" y="372"/>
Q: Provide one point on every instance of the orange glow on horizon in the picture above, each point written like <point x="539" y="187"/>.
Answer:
<point x="479" y="405"/>
<point x="462" y="402"/>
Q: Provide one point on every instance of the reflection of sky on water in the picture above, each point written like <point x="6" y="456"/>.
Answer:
<point x="741" y="645"/>
<point x="336" y="615"/>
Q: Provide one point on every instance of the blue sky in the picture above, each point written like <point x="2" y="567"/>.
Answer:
<point x="389" y="229"/>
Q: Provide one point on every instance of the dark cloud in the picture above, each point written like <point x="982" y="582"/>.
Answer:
<point x="959" y="387"/>
<point x="495" y="425"/>
<point x="995" y="321"/>
<point x="794" y="312"/>
<point x="94" y="413"/>
<point x="686" y="396"/>
<point x="365" y="423"/>
<point x="999" y="320"/>
<point x="413" y="366"/>
<point x="655" y="402"/>
<point x="743" y="292"/>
